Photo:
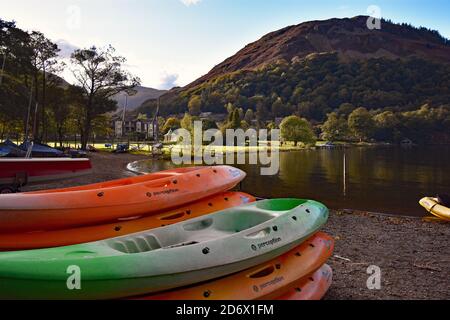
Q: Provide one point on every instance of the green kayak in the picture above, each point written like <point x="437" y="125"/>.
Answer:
<point x="189" y="252"/>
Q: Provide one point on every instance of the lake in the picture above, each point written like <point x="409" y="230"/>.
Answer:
<point x="379" y="179"/>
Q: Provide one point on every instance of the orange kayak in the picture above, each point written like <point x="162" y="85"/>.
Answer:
<point x="266" y="281"/>
<point x="64" y="237"/>
<point x="123" y="198"/>
<point x="313" y="287"/>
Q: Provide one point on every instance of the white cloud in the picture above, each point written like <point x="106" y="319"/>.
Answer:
<point x="168" y="81"/>
<point x="66" y="48"/>
<point x="190" y="2"/>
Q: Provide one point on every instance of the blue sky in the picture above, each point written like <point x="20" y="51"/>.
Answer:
<point x="173" y="42"/>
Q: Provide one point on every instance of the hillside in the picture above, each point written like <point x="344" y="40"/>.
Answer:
<point x="349" y="37"/>
<point x="143" y="94"/>
<point x="316" y="67"/>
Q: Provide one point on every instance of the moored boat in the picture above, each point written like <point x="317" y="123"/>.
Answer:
<point x="20" y="171"/>
<point x="10" y="149"/>
<point x="39" y="150"/>
<point x="436" y="208"/>
<point x="182" y="254"/>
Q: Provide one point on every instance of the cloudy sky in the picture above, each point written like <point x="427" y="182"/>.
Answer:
<point x="173" y="42"/>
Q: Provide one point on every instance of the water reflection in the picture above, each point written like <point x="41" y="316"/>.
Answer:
<point x="383" y="179"/>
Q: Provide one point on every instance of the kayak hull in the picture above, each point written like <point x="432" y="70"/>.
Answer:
<point x="38" y="170"/>
<point x="266" y="281"/>
<point x="65" y="237"/>
<point x="161" y="259"/>
<point x="124" y="198"/>
<point x="312" y="287"/>
<point x="435" y="208"/>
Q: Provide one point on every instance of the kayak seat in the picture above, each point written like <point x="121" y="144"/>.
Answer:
<point x="280" y="204"/>
<point x="138" y="244"/>
<point x="444" y="199"/>
<point x="241" y="220"/>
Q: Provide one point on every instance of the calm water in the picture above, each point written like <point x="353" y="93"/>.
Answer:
<point x="381" y="179"/>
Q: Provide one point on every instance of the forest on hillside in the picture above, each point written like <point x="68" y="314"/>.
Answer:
<point x="413" y="95"/>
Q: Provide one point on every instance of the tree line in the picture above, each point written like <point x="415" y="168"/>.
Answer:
<point x="319" y="85"/>
<point x="347" y="124"/>
<point x="37" y="104"/>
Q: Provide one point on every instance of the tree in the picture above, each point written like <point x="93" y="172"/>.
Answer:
<point x="230" y="107"/>
<point x="44" y="62"/>
<point x="101" y="126"/>
<point x="187" y="122"/>
<point x="249" y="116"/>
<point x="208" y="124"/>
<point x="345" y="109"/>
<point x="297" y="129"/>
<point x="277" y="108"/>
<point x="261" y="112"/>
<point x="386" y="126"/>
<point x="236" y="120"/>
<point x="16" y="69"/>
<point x="60" y="105"/>
<point x="171" y="124"/>
<point x="100" y="74"/>
<point x="244" y="125"/>
<point x="195" y="105"/>
<point x="271" y="126"/>
<point x="361" y="124"/>
<point x="241" y="113"/>
<point x="335" y="127"/>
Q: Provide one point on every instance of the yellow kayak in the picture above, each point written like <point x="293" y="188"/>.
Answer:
<point x="434" y="207"/>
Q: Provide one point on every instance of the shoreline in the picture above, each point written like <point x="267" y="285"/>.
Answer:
<point x="412" y="253"/>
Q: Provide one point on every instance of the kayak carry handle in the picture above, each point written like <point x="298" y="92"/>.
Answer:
<point x="259" y="234"/>
<point x="198" y="225"/>
<point x="262" y="273"/>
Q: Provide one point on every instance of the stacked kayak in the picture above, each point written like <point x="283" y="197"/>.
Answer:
<point x="313" y="287"/>
<point x="178" y="234"/>
<point x="102" y="202"/>
<point x="266" y="281"/>
<point x="436" y="207"/>
<point x="119" y="227"/>
<point x="182" y="254"/>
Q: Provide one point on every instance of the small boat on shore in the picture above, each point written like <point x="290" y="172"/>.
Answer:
<point x="39" y="150"/>
<point x="161" y="259"/>
<point x="131" y="197"/>
<point x="20" y="171"/>
<point x="10" y="149"/>
<point x="436" y="207"/>
<point x="65" y="237"/>
<point x="312" y="287"/>
<point x="266" y="281"/>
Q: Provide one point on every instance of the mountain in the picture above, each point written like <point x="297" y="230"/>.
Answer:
<point x="142" y="95"/>
<point x="317" y="67"/>
<point x="349" y="37"/>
